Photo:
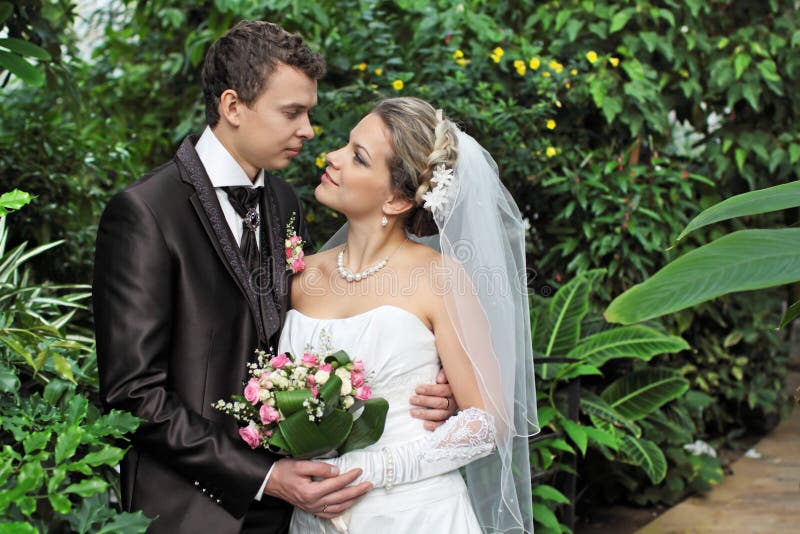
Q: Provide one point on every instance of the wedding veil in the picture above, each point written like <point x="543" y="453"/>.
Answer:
<point x="484" y="284"/>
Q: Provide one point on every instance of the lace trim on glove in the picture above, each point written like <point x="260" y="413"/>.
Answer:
<point x="468" y="435"/>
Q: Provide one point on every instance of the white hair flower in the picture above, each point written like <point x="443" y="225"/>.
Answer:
<point x="437" y="197"/>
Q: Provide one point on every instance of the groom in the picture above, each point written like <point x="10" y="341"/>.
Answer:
<point x="188" y="281"/>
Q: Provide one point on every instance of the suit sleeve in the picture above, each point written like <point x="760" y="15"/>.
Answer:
<point x="132" y="296"/>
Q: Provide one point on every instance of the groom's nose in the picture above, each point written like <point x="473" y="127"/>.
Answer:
<point x="306" y="131"/>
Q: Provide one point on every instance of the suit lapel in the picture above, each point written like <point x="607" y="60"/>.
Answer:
<point x="272" y="258"/>
<point x="209" y="212"/>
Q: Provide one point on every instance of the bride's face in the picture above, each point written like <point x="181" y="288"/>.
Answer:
<point x="356" y="181"/>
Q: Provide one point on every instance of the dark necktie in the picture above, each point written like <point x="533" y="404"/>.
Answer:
<point x="245" y="202"/>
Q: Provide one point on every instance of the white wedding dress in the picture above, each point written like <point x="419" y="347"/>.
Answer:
<point x="425" y="492"/>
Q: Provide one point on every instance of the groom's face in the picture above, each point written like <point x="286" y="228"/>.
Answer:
<point x="273" y="129"/>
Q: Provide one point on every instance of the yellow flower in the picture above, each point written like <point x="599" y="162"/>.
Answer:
<point x="317" y="130"/>
<point x="551" y="124"/>
<point x="458" y="54"/>
<point x="614" y="61"/>
<point x="556" y="67"/>
<point x="521" y="70"/>
<point x="361" y="66"/>
<point x="591" y="55"/>
<point x="546" y="74"/>
<point x="567" y="85"/>
<point x="574" y="72"/>
<point x="497" y="54"/>
<point x="320" y="161"/>
<point x="379" y="71"/>
<point x="551" y="151"/>
<point x="534" y="63"/>
<point x="462" y="62"/>
<point x="398" y="85"/>
<point x="520" y="66"/>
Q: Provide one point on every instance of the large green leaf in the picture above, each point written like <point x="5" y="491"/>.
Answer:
<point x="626" y="342"/>
<point x="24" y="48"/>
<point x="14" y="200"/>
<point x="637" y="394"/>
<point x="645" y="454"/>
<point x="560" y="324"/>
<point x="21" y="68"/>
<point x="597" y="408"/>
<point x="741" y="261"/>
<point x="779" y="197"/>
<point x="368" y="428"/>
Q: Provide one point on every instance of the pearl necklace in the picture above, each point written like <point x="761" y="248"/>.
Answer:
<point x="363" y="275"/>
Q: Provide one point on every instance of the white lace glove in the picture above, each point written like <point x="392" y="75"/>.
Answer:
<point x="463" y="438"/>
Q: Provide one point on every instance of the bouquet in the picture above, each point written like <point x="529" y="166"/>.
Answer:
<point x="308" y="407"/>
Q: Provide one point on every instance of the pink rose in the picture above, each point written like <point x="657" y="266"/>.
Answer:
<point x="298" y="265"/>
<point x="310" y="360"/>
<point x="295" y="239"/>
<point x="358" y="366"/>
<point x="289" y="253"/>
<point x="326" y="367"/>
<point x="250" y="435"/>
<point x="279" y="361"/>
<point x="311" y="381"/>
<point x="252" y="391"/>
<point x="364" y="392"/>
<point x="357" y="379"/>
<point x="314" y="391"/>
<point x="266" y="433"/>
<point x="268" y="414"/>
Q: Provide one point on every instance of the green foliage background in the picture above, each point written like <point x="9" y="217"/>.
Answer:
<point x="613" y="122"/>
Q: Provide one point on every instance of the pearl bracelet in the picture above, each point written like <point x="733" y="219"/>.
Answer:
<point x="388" y="469"/>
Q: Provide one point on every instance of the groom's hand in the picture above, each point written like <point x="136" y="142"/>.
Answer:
<point x="434" y="403"/>
<point x="315" y="486"/>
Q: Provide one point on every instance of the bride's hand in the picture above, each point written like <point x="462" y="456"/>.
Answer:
<point x="434" y="403"/>
<point x="328" y="496"/>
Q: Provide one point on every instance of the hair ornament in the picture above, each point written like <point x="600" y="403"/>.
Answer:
<point x="436" y="199"/>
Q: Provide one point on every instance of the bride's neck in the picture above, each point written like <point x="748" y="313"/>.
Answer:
<point x="367" y="246"/>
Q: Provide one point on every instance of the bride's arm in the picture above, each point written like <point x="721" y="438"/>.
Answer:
<point x="463" y="438"/>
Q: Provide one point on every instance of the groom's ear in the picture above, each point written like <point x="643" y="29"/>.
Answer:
<point x="230" y="107"/>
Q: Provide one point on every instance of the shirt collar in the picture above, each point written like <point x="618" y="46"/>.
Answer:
<point x="220" y="165"/>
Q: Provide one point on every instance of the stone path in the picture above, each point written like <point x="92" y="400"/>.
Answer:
<point x="762" y="496"/>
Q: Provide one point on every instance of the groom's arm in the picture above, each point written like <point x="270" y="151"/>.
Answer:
<point x="133" y="320"/>
<point x="434" y="403"/>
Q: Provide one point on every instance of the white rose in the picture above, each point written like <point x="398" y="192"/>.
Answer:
<point x="347" y="386"/>
<point x="280" y="381"/>
<point x="264" y="395"/>
<point x="300" y="373"/>
<point x="320" y="377"/>
<point x="347" y="402"/>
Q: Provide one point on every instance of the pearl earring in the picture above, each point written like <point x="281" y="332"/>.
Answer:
<point x="384" y="221"/>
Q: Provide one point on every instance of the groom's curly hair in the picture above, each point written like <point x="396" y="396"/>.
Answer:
<point x="244" y="58"/>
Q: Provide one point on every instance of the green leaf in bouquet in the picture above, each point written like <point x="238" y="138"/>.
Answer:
<point x="306" y="439"/>
<point x="339" y="357"/>
<point x="289" y="402"/>
<point x="329" y="393"/>
<point x="368" y="428"/>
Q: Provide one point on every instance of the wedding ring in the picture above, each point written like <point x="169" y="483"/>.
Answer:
<point x="324" y="507"/>
<point x="448" y="403"/>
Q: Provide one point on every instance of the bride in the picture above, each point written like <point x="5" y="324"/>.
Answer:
<point x="429" y="272"/>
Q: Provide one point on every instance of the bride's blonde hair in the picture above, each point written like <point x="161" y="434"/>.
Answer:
<point x="419" y="142"/>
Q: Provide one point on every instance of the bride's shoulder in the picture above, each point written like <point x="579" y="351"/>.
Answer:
<point x="320" y="260"/>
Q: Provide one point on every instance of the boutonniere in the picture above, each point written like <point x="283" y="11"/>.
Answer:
<point x="293" y="249"/>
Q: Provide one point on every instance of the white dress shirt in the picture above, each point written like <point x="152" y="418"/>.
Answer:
<point x="224" y="171"/>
